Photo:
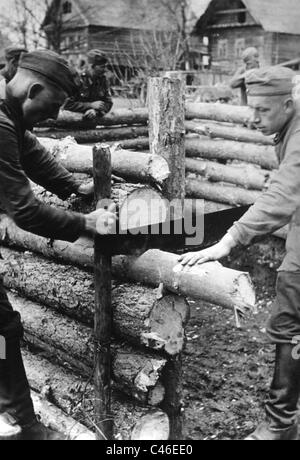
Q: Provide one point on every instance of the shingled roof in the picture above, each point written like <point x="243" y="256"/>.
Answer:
<point x="282" y="16"/>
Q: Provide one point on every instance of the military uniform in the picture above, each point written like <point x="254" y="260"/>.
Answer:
<point x="92" y="88"/>
<point x="238" y="81"/>
<point x="278" y="206"/>
<point x="23" y="158"/>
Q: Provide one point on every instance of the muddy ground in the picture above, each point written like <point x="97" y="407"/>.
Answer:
<point x="227" y="371"/>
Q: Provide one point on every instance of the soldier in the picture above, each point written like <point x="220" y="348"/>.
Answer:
<point x="38" y="90"/>
<point x="95" y="97"/>
<point x="251" y="59"/>
<point x="275" y="111"/>
<point x="12" y="57"/>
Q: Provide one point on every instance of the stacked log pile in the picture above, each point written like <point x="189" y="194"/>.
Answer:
<point x="52" y="284"/>
<point x="227" y="163"/>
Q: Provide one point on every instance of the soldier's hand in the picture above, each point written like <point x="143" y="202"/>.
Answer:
<point x="102" y="222"/>
<point x="90" y="114"/>
<point x="98" y="106"/>
<point x="216" y="252"/>
<point x="86" y="190"/>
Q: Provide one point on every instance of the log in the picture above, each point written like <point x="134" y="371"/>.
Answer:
<point x="228" y="132"/>
<point x="167" y="132"/>
<point x="134" y="373"/>
<point x="73" y="120"/>
<point x="218" y="112"/>
<point x="131" y="165"/>
<point x="202" y="147"/>
<point x="139" y="317"/>
<point x="56" y="420"/>
<point x="74" y="395"/>
<point x="197" y="188"/>
<point x="212" y="282"/>
<point x="96" y="135"/>
<point x="249" y="176"/>
<point x="139" y="206"/>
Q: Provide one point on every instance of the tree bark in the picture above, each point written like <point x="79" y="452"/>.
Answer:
<point x="56" y="420"/>
<point x="218" y="112"/>
<point x="97" y="135"/>
<point x="211" y="282"/>
<point x="202" y="147"/>
<point x="135" y="373"/>
<point x="139" y="317"/>
<point x="167" y="130"/>
<point x="131" y="165"/>
<point x="230" y="133"/>
<point x="248" y="176"/>
<point x="73" y="120"/>
<point x="235" y="196"/>
<point x="75" y="396"/>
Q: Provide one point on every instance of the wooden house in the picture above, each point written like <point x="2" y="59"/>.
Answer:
<point x="272" y="26"/>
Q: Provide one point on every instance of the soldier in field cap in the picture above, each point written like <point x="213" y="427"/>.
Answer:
<point x="12" y="57"/>
<point x="94" y="100"/>
<point x="40" y="87"/>
<point x="275" y="112"/>
<point x="251" y="61"/>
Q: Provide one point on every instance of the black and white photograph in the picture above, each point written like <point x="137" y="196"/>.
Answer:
<point x="149" y="223"/>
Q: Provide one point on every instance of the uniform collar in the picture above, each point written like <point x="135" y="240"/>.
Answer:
<point x="280" y="136"/>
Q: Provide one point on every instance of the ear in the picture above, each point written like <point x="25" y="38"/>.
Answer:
<point x="289" y="105"/>
<point x="34" y="90"/>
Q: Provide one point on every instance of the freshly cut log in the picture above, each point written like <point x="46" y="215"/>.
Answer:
<point x="139" y="206"/>
<point x="56" y="420"/>
<point x="218" y="112"/>
<point x="139" y="317"/>
<point x="75" y="396"/>
<point x="132" y="165"/>
<point x="140" y="144"/>
<point x="202" y="147"/>
<point x="154" y="426"/>
<point x="211" y="282"/>
<point x="247" y="176"/>
<point x="134" y="373"/>
<point x="97" y="135"/>
<point x="228" y="132"/>
<point x="197" y="188"/>
<point x="73" y="120"/>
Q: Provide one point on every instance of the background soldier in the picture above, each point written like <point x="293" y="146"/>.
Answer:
<point x="12" y="57"/>
<point x="95" y="97"/>
<point x="275" y="111"/>
<point x="40" y="87"/>
<point x="251" y="59"/>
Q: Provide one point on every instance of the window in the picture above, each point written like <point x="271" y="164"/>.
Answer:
<point x="67" y="8"/>
<point x="239" y="47"/>
<point x="205" y="41"/>
<point x="223" y="49"/>
<point x="242" y="17"/>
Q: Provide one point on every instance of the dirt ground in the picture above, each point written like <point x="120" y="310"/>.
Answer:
<point x="227" y="371"/>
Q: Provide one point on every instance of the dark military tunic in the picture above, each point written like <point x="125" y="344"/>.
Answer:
<point x="92" y="89"/>
<point x="23" y="158"/>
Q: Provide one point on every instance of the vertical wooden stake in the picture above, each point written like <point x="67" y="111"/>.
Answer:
<point x="103" y="310"/>
<point x="167" y="138"/>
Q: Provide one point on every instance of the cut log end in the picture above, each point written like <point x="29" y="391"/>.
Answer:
<point x="167" y="322"/>
<point x="154" y="426"/>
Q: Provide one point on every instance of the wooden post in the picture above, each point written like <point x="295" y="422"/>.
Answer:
<point x="167" y="130"/>
<point x="103" y="309"/>
<point x="167" y="138"/>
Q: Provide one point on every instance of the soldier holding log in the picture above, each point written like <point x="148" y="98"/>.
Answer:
<point x="95" y="98"/>
<point x="40" y="87"/>
<point x="270" y="93"/>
